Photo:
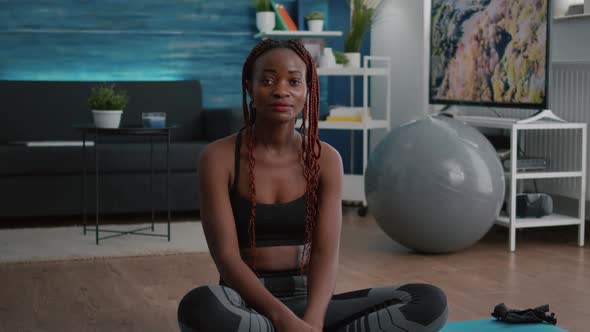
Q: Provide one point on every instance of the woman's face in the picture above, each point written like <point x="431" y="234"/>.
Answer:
<point x="278" y="88"/>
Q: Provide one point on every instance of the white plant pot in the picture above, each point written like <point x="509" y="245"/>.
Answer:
<point x="354" y="59"/>
<point x="107" y="119"/>
<point x="327" y="60"/>
<point x="317" y="25"/>
<point x="265" y="21"/>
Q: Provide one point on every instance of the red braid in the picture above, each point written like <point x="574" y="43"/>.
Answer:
<point x="310" y="145"/>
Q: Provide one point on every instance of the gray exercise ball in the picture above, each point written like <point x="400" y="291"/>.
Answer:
<point x="435" y="185"/>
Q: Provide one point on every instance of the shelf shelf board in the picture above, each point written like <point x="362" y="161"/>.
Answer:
<point x="509" y="123"/>
<point x="571" y="17"/>
<point x="351" y="71"/>
<point x="280" y="34"/>
<point x="489" y="122"/>
<point x="551" y="220"/>
<point x="549" y="125"/>
<point x="545" y="175"/>
<point x="350" y="125"/>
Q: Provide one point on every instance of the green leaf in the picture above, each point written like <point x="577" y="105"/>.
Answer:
<point x="314" y="16"/>
<point x="360" y="23"/>
<point x="263" y="5"/>
<point x="106" y="98"/>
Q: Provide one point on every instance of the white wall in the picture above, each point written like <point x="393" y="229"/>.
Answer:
<point x="570" y="40"/>
<point x="398" y="32"/>
<point x="560" y="7"/>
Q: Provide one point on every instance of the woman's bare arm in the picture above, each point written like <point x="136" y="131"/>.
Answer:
<point x="326" y="241"/>
<point x="220" y="232"/>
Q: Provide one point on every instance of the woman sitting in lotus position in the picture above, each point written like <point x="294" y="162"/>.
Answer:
<point x="271" y="211"/>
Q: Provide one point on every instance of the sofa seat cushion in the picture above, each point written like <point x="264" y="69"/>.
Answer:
<point x="18" y="159"/>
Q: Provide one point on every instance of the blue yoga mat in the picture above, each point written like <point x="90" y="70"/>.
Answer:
<point x="493" y="325"/>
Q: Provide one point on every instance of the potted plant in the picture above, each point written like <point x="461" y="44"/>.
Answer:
<point x="107" y="105"/>
<point x="265" y="16"/>
<point x="363" y="14"/>
<point x="315" y="21"/>
<point x="341" y="58"/>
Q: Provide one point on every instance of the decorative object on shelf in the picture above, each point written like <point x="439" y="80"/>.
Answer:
<point x="341" y="58"/>
<point x="532" y="205"/>
<point x="153" y="119"/>
<point x="575" y="8"/>
<point x="363" y="15"/>
<point x="107" y="105"/>
<point x="280" y="24"/>
<point x="327" y="59"/>
<point x="284" y="22"/>
<point x="315" y="21"/>
<point x="284" y="16"/>
<point x="354" y="59"/>
<point x="348" y="114"/>
<point x="265" y="16"/>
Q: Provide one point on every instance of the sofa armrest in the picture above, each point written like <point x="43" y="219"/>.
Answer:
<point x="220" y="122"/>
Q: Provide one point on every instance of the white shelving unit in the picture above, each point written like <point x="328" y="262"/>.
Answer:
<point x="373" y="66"/>
<point x="543" y="121"/>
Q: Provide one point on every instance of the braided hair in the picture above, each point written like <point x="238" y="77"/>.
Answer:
<point x="310" y="145"/>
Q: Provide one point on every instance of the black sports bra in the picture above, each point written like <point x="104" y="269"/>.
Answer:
<point x="276" y="224"/>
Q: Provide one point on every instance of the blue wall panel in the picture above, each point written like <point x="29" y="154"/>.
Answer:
<point x="112" y="40"/>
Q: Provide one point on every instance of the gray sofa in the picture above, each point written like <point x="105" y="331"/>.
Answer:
<point x="47" y="181"/>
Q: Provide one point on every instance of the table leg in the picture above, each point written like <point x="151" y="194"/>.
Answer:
<point x="351" y="160"/>
<point x="84" y="188"/>
<point x="96" y="189"/>
<point x="168" y="180"/>
<point x="152" y="180"/>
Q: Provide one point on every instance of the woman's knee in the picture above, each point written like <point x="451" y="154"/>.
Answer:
<point x="427" y="305"/>
<point x="205" y="307"/>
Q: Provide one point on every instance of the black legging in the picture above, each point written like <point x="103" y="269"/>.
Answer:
<point x="410" y="307"/>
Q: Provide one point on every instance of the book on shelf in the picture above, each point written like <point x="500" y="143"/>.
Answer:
<point x="347" y="111"/>
<point x="291" y="26"/>
<point x="332" y="118"/>
<point x="280" y="23"/>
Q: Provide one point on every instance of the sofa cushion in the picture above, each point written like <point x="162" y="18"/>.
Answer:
<point x="52" y="195"/>
<point x="113" y="157"/>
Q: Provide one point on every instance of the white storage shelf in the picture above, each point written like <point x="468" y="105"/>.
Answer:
<point x="354" y="185"/>
<point x="366" y="72"/>
<point x="539" y="122"/>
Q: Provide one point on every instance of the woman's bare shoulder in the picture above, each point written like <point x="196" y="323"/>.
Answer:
<point x="330" y="158"/>
<point x="219" y="152"/>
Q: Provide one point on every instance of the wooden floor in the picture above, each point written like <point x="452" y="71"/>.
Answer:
<point x="141" y="294"/>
